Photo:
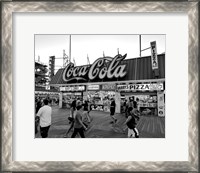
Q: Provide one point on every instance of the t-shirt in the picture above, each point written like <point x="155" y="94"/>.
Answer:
<point x="73" y="105"/>
<point x="45" y="115"/>
<point x="134" y="104"/>
<point x="132" y="122"/>
<point x="130" y="104"/>
<point x="78" y="103"/>
<point x="85" y="118"/>
<point x="112" y="104"/>
<point x="77" y="119"/>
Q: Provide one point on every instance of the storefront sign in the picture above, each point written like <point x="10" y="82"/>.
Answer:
<point x="93" y="87"/>
<point x="77" y="94"/>
<point x="161" y="104"/>
<point x="109" y="87"/>
<point x="72" y="88"/>
<point x="140" y="87"/>
<point x="99" y="69"/>
<point x="154" y="58"/>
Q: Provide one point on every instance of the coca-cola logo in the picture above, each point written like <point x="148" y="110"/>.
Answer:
<point x="101" y="68"/>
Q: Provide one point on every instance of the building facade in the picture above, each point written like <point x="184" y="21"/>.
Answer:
<point x="118" y="78"/>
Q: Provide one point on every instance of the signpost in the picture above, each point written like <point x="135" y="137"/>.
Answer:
<point x="161" y="104"/>
<point x="154" y="58"/>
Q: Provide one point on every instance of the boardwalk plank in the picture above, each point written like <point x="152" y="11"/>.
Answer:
<point x="151" y="126"/>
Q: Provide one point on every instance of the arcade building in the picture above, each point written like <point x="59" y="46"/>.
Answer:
<point x="115" y="77"/>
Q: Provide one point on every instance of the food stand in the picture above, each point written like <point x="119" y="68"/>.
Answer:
<point x="115" y="78"/>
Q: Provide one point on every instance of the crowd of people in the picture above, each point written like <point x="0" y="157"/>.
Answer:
<point x="80" y="117"/>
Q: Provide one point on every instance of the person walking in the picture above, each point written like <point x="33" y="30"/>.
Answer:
<point x="44" y="117"/>
<point x="138" y="104"/>
<point x="38" y="105"/>
<point x="89" y="108"/>
<point x="124" y="106"/>
<point x="131" y="121"/>
<point x="78" y="102"/>
<point x="73" y="108"/>
<point x="130" y="103"/>
<point x="134" y="102"/>
<point x="79" y="127"/>
<point x="85" y="117"/>
<point x="71" y="117"/>
<point x="112" y="110"/>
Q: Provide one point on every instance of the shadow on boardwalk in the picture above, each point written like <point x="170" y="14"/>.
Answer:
<point x="101" y="126"/>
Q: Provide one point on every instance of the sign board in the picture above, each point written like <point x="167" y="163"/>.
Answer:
<point x="93" y="87"/>
<point x="108" y="87"/>
<point x="47" y="87"/>
<point x="154" y="58"/>
<point x="105" y="67"/>
<point x="141" y="87"/>
<point x="161" y="104"/>
<point x="77" y="94"/>
<point x="72" y="88"/>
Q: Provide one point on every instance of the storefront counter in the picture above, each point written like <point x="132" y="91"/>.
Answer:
<point x="148" y="110"/>
<point x="100" y="107"/>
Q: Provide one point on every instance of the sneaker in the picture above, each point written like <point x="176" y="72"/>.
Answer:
<point x="65" y="136"/>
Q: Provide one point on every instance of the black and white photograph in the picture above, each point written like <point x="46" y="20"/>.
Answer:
<point x="97" y="70"/>
<point x="99" y="86"/>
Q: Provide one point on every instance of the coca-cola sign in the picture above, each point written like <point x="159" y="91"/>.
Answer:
<point x="105" y="67"/>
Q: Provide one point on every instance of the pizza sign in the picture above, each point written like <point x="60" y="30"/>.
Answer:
<point x="141" y="87"/>
<point x="154" y="58"/>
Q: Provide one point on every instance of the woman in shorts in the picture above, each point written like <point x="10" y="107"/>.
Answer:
<point x="131" y="121"/>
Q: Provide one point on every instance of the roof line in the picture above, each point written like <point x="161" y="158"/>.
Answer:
<point x="112" y="82"/>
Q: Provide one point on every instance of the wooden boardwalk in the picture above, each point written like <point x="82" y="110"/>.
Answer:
<point x="151" y="127"/>
<point x="101" y="127"/>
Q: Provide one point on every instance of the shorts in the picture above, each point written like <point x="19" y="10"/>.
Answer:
<point x="112" y="112"/>
<point x="44" y="131"/>
<point x="131" y="126"/>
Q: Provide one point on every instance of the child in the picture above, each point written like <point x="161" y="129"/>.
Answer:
<point x="131" y="121"/>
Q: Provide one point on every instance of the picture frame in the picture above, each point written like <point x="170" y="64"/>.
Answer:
<point x="10" y="7"/>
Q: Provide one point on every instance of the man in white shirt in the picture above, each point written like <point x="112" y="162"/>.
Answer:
<point x="44" y="114"/>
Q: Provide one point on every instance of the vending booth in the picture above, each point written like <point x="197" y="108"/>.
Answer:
<point x="117" y="78"/>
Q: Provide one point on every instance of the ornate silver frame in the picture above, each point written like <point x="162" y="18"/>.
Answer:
<point x="8" y="7"/>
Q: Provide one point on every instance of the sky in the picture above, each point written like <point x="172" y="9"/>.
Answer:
<point x="93" y="46"/>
